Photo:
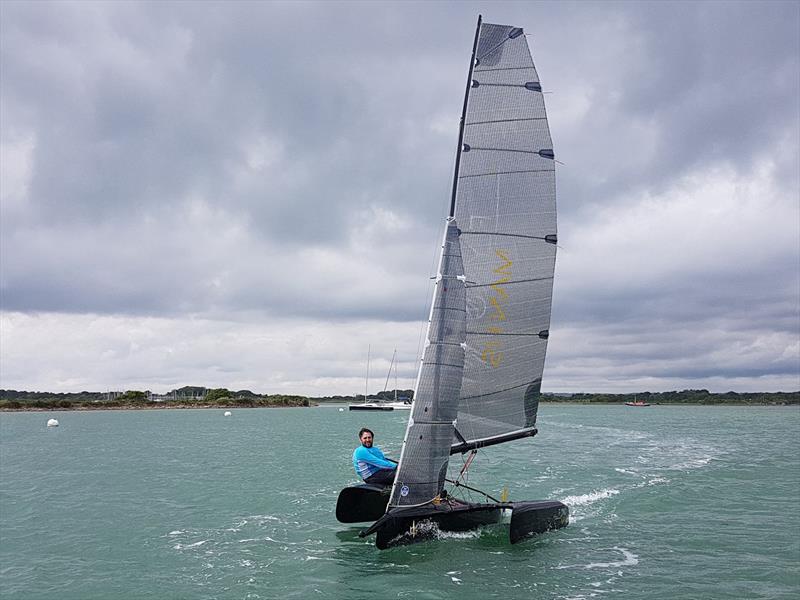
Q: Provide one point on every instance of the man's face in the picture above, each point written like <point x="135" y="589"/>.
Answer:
<point x="366" y="439"/>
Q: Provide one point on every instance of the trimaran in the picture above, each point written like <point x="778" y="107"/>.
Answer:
<point x="480" y="376"/>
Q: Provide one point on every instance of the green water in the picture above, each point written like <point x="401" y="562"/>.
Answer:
<point x="666" y="502"/>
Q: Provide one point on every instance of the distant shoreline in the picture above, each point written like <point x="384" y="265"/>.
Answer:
<point x="159" y="406"/>
<point x="162" y="406"/>
<point x="220" y="398"/>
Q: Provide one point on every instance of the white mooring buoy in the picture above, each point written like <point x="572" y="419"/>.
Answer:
<point x="52" y="423"/>
<point x="227" y="413"/>
<point x="341" y="410"/>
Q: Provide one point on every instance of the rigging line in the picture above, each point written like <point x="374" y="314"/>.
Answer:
<point x="484" y="55"/>
<point x="428" y="297"/>
<point x="472" y="148"/>
<point x="478" y="285"/>
<point x="508" y="389"/>
<point x="522" y="85"/>
<point x="421" y="422"/>
<point x="389" y="374"/>
<point x="506" y="69"/>
<point x="457" y="484"/>
<point x="519" y="235"/>
<point x="508" y="173"/>
<point x="441" y="364"/>
<point x="508" y="334"/>
<point x="466" y="464"/>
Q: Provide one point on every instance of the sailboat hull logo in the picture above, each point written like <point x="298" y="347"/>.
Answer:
<point x="404" y="490"/>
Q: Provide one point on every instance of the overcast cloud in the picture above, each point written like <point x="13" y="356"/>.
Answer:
<point x="250" y="194"/>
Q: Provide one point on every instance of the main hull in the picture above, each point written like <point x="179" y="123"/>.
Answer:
<point x="370" y="406"/>
<point x="402" y="526"/>
<point x="405" y="530"/>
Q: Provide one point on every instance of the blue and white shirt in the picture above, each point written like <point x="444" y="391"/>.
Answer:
<point x="368" y="461"/>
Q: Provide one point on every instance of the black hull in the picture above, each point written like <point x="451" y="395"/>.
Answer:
<point x="362" y="503"/>
<point x="401" y="531"/>
<point x="413" y="525"/>
<point x="357" y="407"/>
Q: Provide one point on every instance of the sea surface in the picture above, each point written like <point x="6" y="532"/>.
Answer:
<point x="666" y="502"/>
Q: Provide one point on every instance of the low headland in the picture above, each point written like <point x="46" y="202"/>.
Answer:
<point x="200" y="397"/>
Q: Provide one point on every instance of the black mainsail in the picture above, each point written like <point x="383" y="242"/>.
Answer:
<point x="481" y="371"/>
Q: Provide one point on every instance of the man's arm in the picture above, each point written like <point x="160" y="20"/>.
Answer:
<point x="381" y="454"/>
<point x="371" y="458"/>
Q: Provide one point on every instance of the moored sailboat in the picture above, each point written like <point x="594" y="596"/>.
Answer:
<point x="383" y="405"/>
<point x="637" y="403"/>
<point x="480" y="377"/>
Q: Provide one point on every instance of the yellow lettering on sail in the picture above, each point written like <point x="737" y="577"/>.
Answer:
<point x="505" y="267"/>
<point x="491" y="352"/>
<point x="498" y="288"/>
<point x="498" y="315"/>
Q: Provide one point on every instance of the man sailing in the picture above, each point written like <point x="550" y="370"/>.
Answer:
<point x="370" y="463"/>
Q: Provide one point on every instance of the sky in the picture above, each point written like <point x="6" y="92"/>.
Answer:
<point x="251" y="194"/>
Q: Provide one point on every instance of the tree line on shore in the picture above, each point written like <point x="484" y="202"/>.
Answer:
<point x="199" y="397"/>
<point x="185" y="397"/>
<point x="682" y="397"/>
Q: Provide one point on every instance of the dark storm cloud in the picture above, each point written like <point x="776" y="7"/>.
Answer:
<point x="146" y="107"/>
<point x="156" y="102"/>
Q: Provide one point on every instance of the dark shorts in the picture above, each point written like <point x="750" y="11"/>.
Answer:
<point x="382" y="477"/>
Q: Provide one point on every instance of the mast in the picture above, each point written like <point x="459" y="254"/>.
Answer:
<point x="366" y="382"/>
<point x="389" y="374"/>
<point x="463" y="118"/>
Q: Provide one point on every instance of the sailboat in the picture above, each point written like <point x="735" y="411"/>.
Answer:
<point x="481" y="372"/>
<point x="383" y="405"/>
<point x="397" y="403"/>
<point x="637" y="402"/>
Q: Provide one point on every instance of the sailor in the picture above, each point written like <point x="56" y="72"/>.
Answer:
<point x="370" y="463"/>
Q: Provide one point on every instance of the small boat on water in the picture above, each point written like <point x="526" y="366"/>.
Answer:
<point x="637" y="403"/>
<point x="380" y="406"/>
<point x="396" y="404"/>
<point x="371" y="406"/>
